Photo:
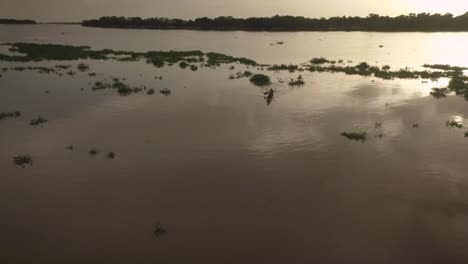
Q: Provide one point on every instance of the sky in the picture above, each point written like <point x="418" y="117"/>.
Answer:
<point x="77" y="10"/>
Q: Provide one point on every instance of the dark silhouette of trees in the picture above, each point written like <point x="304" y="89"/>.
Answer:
<point x="16" y="21"/>
<point x="373" y="22"/>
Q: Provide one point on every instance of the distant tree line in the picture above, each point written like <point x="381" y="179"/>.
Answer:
<point x="373" y="22"/>
<point x="16" y="21"/>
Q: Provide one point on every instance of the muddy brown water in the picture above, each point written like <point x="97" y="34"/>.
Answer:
<point x="231" y="179"/>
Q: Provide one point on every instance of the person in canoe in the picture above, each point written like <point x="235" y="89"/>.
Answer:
<point x="269" y="96"/>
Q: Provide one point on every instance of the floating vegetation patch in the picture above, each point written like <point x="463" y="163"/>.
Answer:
<point x="39" y="52"/>
<point x="240" y="75"/>
<point x="356" y="136"/>
<point x="194" y="67"/>
<point x="319" y="61"/>
<point x="183" y="64"/>
<point x="283" y="67"/>
<point x="70" y="147"/>
<point x="444" y="67"/>
<point x="110" y="155"/>
<point x="466" y="133"/>
<point x="94" y="151"/>
<point x="165" y="91"/>
<point x="22" y="160"/>
<point x="415" y="125"/>
<point x="159" y="230"/>
<point x="15" y="114"/>
<point x="378" y="125"/>
<point x="82" y="67"/>
<point x="452" y="123"/>
<point x="150" y="92"/>
<point x="92" y="74"/>
<point x="38" y="121"/>
<point x="218" y="59"/>
<point x="117" y="84"/>
<point x="439" y="93"/>
<point x="260" y="80"/>
<point x="297" y="82"/>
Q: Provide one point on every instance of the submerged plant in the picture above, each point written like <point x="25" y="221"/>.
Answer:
<point x="38" y="121"/>
<point x="22" y="160"/>
<point x="356" y="136"/>
<point x="260" y="80"/>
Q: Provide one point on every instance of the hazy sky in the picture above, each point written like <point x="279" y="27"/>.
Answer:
<point x="76" y="10"/>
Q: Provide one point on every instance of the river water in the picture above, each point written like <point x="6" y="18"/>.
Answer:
<point x="230" y="179"/>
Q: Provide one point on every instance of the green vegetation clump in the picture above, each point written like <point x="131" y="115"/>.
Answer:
<point x="439" y="93"/>
<point x="15" y="114"/>
<point x="22" y="160"/>
<point x="38" y="121"/>
<point x="453" y="124"/>
<point x="297" y="82"/>
<point x="260" y="80"/>
<point x="356" y="136"/>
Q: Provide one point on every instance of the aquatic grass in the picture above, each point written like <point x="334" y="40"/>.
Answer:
<point x="453" y="124"/>
<point x="378" y="125"/>
<point x="110" y="155"/>
<point x="38" y="121"/>
<point x="150" y="92"/>
<point x="15" y="114"/>
<point x="356" y="136"/>
<point x="260" y="80"/>
<point x="22" y="160"/>
<point x="466" y="133"/>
